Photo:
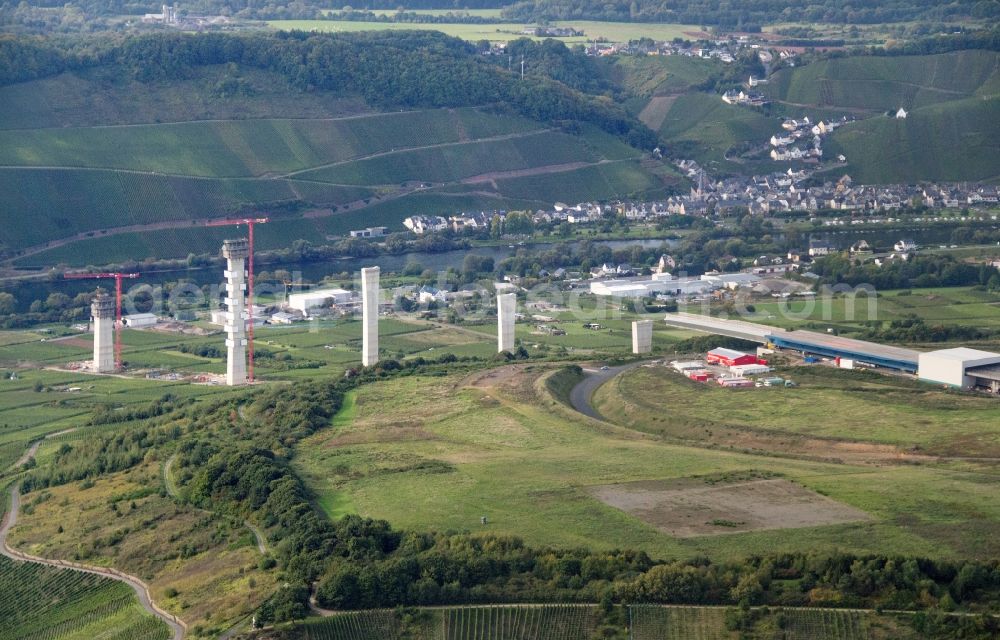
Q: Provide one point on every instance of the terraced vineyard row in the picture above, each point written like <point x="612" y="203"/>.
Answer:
<point x="226" y="149"/>
<point x="46" y="603"/>
<point x="678" y="623"/>
<point x="363" y="625"/>
<point x="557" y="622"/>
<point x="650" y="622"/>
<point x="830" y="625"/>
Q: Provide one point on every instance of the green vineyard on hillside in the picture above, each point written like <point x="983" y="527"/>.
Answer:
<point x="557" y="622"/>
<point x="46" y="603"/>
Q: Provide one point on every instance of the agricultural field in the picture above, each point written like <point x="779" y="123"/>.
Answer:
<point x="880" y="84"/>
<point x="660" y="75"/>
<point x="506" y="31"/>
<point x="679" y="623"/>
<point x="952" y="104"/>
<point x="67" y="400"/>
<point x="459" y="161"/>
<point x="493" y="622"/>
<point x="628" y="178"/>
<point x="229" y="149"/>
<point x="200" y="567"/>
<point x="943" y="141"/>
<point x="709" y="623"/>
<point x="101" y="97"/>
<point x="705" y="127"/>
<point x="145" y="185"/>
<point x="439" y="453"/>
<point x="47" y="603"/>
<point x="556" y="622"/>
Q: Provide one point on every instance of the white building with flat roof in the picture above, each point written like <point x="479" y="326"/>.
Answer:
<point x="307" y="300"/>
<point x="954" y="367"/>
<point x="137" y="320"/>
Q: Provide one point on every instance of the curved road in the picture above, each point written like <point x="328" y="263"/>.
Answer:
<point x="140" y="588"/>
<point x="581" y="395"/>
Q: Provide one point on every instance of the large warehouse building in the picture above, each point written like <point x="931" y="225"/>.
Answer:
<point x="861" y="351"/>
<point x="961" y="367"/>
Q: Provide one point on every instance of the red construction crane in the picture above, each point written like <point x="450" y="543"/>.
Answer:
<point x="249" y="222"/>
<point x="118" y="304"/>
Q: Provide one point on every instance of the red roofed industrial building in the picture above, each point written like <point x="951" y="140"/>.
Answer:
<point x="729" y="357"/>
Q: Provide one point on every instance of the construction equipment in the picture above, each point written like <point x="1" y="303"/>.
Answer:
<point x="249" y="222"/>
<point x="118" y="304"/>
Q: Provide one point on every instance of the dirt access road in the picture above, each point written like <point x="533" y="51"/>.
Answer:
<point x="140" y="587"/>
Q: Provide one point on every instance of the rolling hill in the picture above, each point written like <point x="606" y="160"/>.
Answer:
<point x="114" y="186"/>
<point x="949" y="141"/>
<point x="950" y="134"/>
<point x="883" y="83"/>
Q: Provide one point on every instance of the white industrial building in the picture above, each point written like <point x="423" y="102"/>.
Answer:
<point x="307" y="300"/>
<point x="137" y="320"/>
<point x="660" y="283"/>
<point x="961" y="367"/>
<point x="750" y="369"/>
<point x="687" y="365"/>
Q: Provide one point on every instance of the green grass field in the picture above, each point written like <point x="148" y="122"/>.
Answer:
<point x="46" y="602"/>
<point x="437" y="453"/>
<point x="948" y="306"/>
<point x="840" y="405"/>
<point x="502" y="32"/>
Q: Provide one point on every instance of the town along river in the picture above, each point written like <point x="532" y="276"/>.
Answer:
<point x="307" y="272"/>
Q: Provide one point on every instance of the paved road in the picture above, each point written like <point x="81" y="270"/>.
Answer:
<point x="581" y="394"/>
<point x="140" y="587"/>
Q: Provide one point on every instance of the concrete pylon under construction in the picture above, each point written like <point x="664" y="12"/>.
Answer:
<point x="102" y="310"/>
<point x="369" y="315"/>
<point x="236" y="253"/>
<point x="642" y="336"/>
<point x="506" y="304"/>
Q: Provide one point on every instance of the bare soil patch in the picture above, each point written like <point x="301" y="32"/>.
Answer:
<point x="655" y="112"/>
<point x="686" y="509"/>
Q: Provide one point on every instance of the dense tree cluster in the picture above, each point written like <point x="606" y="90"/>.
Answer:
<point x="913" y="328"/>
<point x="919" y="271"/>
